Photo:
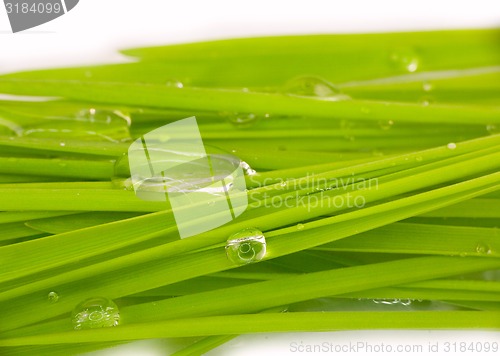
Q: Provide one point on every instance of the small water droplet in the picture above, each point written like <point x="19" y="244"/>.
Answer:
<point x="385" y="124"/>
<point x="95" y="313"/>
<point x="419" y="159"/>
<point x="173" y="83"/>
<point x="310" y="86"/>
<point x="283" y="184"/>
<point x="241" y="120"/>
<point x="62" y="144"/>
<point x="427" y="87"/>
<point x="365" y="110"/>
<point x="483" y="249"/>
<point x="53" y="297"/>
<point x="249" y="171"/>
<point x="405" y="58"/>
<point x="426" y="101"/>
<point x="300" y="226"/>
<point x="492" y="129"/>
<point x="246" y="246"/>
<point x="451" y="146"/>
<point x="109" y="117"/>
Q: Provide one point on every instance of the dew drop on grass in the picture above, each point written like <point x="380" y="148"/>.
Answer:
<point x="385" y="124"/>
<point x="95" y="313"/>
<point x="405" y="58"/>
<point x="109" y="117"/>
<point x="249" y="171"/>
<point x="174" y="83"/>
<point x="62" y="144"/>
<point x="451" y="146"/>
<point x="316" y="87"/>
<point x="300" y="227"/>
<point x="246" y="246"/>
<point x="492" y="129"/>
<point x="53" y="297"/>
<point x="427" y="87"/>
<point x="483" y="249"/>
<point x="241" y="120"/>
<point x="419" y="158"/>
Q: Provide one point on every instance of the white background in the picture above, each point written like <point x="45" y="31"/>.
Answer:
<point x="95" y="29"/>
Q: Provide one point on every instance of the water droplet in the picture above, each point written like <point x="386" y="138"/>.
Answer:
<point x="492" y="129"/>
<point x="113" y="117"/>
<point x="451" y="146"/>
<point x="483" y="249"/>
<point x="405" y="58"/>
<point x="53" y="297"/>
<point x="95" y="313"/>
<point x="385" y="124"/>
<point x="62" y="144"/>
<point x="249" y="171"/>
<point x="246" y="246"/>
<point x="173" y="83"/>
<point x="283" y="184"/>
<point x="300" y="227"/>
<point x="365" y="110"/>
<point x="427" y="87"/>
<point x="426" y="101"/>
<point x="419" y="158"/>
<point x="405" y="302"/>
<point x="241" y="120"/>
<point x="310" y="86"/>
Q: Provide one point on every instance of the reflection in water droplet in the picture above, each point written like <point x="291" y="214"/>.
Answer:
<point x="249" y="171"/>
<point x="405" y="58"/>
<point x="53" y="297"/>
<point x="451" y="146"/>
<point x="246" y="246"/>
<point x="316" y="87"/>
<point x="95" y="313"/>
<point x="385" y="124"/>
<point x="173" y="83"/>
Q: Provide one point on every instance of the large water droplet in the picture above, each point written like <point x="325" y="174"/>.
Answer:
<point x="95" y="313"/>
<point x="451" y="146"/>
<point x="246" y="246"/>
<point x="316" y="87"/>
<point x="53" y="297"/>
<point x="405" y="58"/>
